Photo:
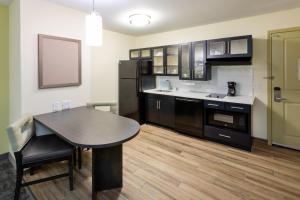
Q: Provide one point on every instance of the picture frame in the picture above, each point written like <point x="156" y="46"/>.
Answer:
<point x="59" y="62"/>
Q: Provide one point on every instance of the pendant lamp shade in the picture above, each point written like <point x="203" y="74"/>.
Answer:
<point x="94" y="29"/>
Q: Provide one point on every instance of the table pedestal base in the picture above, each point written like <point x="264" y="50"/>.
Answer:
<point x="106" y="169"/>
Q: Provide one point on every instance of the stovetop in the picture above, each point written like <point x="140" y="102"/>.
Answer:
<point x="216" y="95"/>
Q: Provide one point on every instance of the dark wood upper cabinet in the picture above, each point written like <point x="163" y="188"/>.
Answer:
<point x="134" y="54"/>
<point x="201" y="70"/>
<point x="145" y="53"/>
<point x="233" y="50"/>
<point x="165" y="60"/>
<point x="172" y="60"/>
<point x="192" y="62"/>
<point x="159" y="60"/>
<point x="185" y="54"/>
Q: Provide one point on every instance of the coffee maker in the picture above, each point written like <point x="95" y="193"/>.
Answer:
<point x="231" y="88"/>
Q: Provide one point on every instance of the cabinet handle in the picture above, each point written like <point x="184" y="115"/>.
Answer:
<point x="235" y="107"/>
<point x="156" y="104"/>
<point x="159" y="105"/>
<point x="225" y="136"/>
<point x="189" y="100"/>
<point x="228" y="47"/>
<point x="212" y="104"/>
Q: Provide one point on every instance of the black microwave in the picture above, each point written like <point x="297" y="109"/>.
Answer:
<point x="226" y="119"/>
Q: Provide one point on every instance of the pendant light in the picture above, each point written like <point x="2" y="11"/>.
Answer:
<point x="93" y="23"/>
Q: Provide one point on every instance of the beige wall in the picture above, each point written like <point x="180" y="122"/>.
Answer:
<point x="4" y="72"/>
<point x="258" y="26"/>
<point x="99" y="65"/>
<point x="14" y="60"/>
<point x="45" y="17"/>
<point x="105" y="59"/>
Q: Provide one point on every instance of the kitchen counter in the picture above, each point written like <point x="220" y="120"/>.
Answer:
<point x="203" y="95"/>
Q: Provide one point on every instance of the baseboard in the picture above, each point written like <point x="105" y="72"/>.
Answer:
<point x="3" y="156"/>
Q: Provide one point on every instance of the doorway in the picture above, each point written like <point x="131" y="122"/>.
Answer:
<point x="284" y="88"/>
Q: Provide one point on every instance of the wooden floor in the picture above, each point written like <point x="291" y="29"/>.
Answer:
<point x="161" y="165"/>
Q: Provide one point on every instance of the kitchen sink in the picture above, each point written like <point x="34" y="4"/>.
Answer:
<point x="163" y="90"/>
<point x="215" y="95"/>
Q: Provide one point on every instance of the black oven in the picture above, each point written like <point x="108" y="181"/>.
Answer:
<point x="227" y="119"/>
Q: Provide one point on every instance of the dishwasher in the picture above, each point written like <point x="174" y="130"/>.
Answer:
<point x="189" y="116"/>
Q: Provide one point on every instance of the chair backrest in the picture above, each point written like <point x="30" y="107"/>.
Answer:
<point x="112" y="106"/>
<point x="20" y="132"/>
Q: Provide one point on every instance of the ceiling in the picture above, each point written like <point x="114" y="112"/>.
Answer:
<point x="175" y="14"/>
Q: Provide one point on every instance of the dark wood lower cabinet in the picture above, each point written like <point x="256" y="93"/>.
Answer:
<point x="230" y="137"/>
<point x="152" y="111"/>
<point x="227" y="123"/>
<point x="167" y="111"/>
<point x="160" y="110"/>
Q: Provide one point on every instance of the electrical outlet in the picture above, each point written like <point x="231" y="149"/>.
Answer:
<point x="66" y="104"/>
<point x="56" y="106"/>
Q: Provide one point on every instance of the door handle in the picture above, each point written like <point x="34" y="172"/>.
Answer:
<point x="225" y="136"/>
<point x="280" y="99"/>
<point x="277" y="95"/>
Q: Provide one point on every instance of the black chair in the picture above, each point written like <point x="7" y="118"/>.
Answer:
<point x="32" y="151"/>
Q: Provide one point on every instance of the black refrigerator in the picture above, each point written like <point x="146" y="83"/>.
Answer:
<point x="135" y="76"/>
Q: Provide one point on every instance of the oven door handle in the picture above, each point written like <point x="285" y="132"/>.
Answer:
<point x="212" y="104"/>
<point x="188" y="100"/>
<point x="225" y="136"/>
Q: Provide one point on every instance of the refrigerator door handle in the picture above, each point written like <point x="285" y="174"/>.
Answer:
<point x="137" y="87"/>
<point x="137" y="80"/>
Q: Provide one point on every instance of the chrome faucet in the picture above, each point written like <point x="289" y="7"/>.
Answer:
<point x="170" y="85"/>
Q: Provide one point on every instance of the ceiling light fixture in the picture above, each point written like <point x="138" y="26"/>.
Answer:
<point x="139" y="19"/>
<point x="93" y="24"/>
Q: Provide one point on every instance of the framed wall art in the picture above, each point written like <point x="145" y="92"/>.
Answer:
<point x="59" y="62"/>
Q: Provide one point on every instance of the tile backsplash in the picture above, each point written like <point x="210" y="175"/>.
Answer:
<point x="242" y="75"/>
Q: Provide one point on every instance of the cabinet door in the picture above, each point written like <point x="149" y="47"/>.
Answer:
<point x="152" y="112"/>
<point x="240" y="46"/>
<point x="172" y="53"/>
<point x="167" y="111"/>
<point x="146" y="53"/>
<point x="184" y="62"/>
<point x="217" y="48"/>
<point x="134" y="54"/>
<point x="158" y="61"/>
<point x="198" y="63"/>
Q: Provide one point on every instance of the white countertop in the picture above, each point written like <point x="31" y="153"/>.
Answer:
<point x="203" y="95"/>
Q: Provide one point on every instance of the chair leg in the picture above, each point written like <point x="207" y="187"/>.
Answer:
<point x="19" y="178"/>
<point x="79" y="157"/>
<point x="74" y="157"/>
<point x="71" y="182"/>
